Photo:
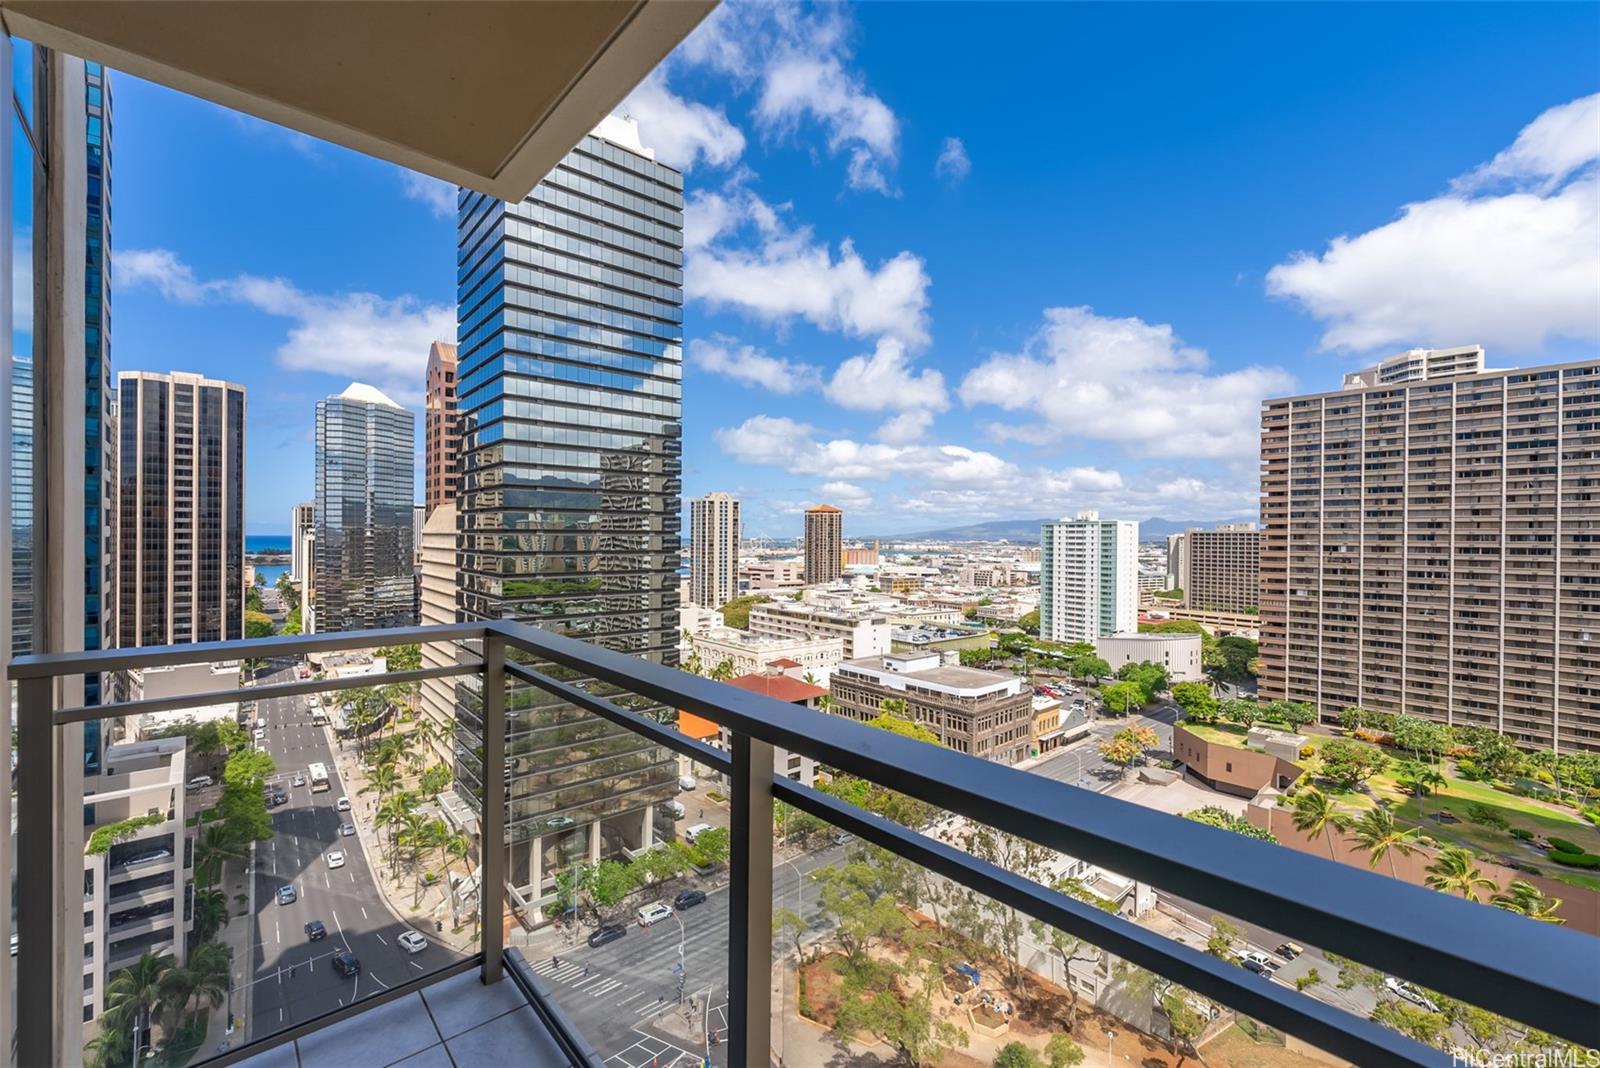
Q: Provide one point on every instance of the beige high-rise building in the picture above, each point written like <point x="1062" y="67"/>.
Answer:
<point x="438" y="605"/>
<point x="1432" y="547"/>
<point x="824" y="544"/>
<point x="713" y="549"/>
<point x="441" y="428"/>
<point x="1218" y="570"/>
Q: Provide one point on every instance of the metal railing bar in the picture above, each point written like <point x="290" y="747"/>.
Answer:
<point x="255" y="1047"/>
<point x="1539" y="974"/>
<point x="1332" y="1029"/>
<point x="48" y="665"/>
<point x="659" y="733"/>
<point x="120" y="709"/>
<point x="571" y="1041"/>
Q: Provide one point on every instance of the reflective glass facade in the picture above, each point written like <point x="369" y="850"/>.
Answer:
<point x="21" y="506"/>
<point x="362" y="555"/>
<point x="569" y="391"/>
<point x="181" y="523"/>
<point x="99" y="398"/>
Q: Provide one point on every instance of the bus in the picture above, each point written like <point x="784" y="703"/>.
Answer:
<point x="319" y="777"/>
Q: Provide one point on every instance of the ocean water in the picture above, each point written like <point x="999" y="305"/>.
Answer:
<point x="266" y="543"/>
<point x="270" y="572"/>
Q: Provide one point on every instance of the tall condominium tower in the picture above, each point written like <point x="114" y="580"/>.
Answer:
<point x="1218" y="570"/>
<point x="570" y="350"/>
<point x="362" y="558"/>
<point x="1088" y="578"/>
<point x="441" y="433"/>
<point x="181" y="528"/>
<point x="302" y="531"/>
<point x="21" y="460"/>
<point x="1428" y="549"/>
<point x="824" y="545"/>
<point x="713" y="549"/>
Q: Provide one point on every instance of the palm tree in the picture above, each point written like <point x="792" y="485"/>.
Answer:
<point x="1455" y="871"/>
<point x="722" y="672"/>
<point x="135" y="992"/>
<point x="414" y="834"/>
<point x="210" y="967"/>
<point x="210" y="913"/>
<point x="458" y="847"/>
<point x="1525" y="899"/>
<point x="177" y="987"/>
<point x="383" y="779"/>
<point x="1377" y="831"/>
<point x="1315" y="813"/>
<point x="216" y="844"/>
<point x="110" y="1047"/>
<point x="391" y="814"/>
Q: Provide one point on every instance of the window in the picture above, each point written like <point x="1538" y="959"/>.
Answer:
<point x="1228" y="766"/>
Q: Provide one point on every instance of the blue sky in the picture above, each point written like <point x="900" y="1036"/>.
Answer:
<point x="951" y="262"/>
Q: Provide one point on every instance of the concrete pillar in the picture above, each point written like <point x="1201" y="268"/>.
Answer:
<point x="647" y="829"/>
<point x="536" y="868"/>
<point x="594" y="842"/>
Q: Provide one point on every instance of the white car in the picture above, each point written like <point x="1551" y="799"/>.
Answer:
<point x="336" y="859"/>
<point x="343" y="804"/>
<point x="1262" y="959"/>
<point x="654" y="913"/>
<point x="261" y="735"/>
<point x="412" y="942"/>
<point x="1410" y="993"/>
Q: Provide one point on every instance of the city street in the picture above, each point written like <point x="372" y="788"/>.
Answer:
<point x="294" y="978"/>
<point x="1081" y="764"/>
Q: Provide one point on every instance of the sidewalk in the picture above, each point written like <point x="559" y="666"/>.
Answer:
<point x="236" y="879"/>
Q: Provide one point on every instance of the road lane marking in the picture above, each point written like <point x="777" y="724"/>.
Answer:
<point x="380" y="982"/>
<point x="363" y="907"/>
<point x="277" y="933"/>
<point x="605" y="988"/>
<point x="415" y="965"/>
<point x="580" y="984"/>
<point x="634" y="997"/>
<point x="353" y="879"/>
<point x="381" y="938"/>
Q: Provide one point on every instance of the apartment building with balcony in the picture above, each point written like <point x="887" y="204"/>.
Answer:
<point x="1088" y="578"/>
<point x="441" y="430"/>
<point x="983" y="713"/>
<point x="824" y="544"/>
<point x="138" y="863"/>
<point x="713" y="549"/>
<point x="1427" y="548"/>
<point x="1218" y="570"/>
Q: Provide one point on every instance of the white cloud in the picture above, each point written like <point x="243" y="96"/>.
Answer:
<point x="750" y="366"/>
<point x="1123" y="381"/>
<point x="438" y="195"/>
<point x="845" y="495"/>
<point x="883" y="381"/>
<point x="682" y="132"/>
<point x="788" y="274"/>
<point x="953" y="165"/>
<point x="1512" y="267"/>
<point x="904" y="428"/>
<point x="380" y="340"/>
<point x="798" y="61"/>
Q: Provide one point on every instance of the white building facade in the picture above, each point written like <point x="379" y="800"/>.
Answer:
<point x="1088" y="578"/>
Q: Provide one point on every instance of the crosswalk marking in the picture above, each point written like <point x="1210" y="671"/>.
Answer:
<point x="604" y="988"/>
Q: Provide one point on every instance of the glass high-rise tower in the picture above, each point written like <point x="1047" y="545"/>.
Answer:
<point x="21" y="460"/>
<point x="569" y="390"/>
<point x="362" y="553"/>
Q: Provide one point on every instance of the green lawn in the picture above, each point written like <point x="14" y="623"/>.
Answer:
<point x="1221" y="733"/>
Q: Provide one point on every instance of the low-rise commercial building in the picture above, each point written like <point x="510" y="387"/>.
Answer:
<point x="863" y="631"/>
<point x="750" y="653"/>
<point x="1178" y="653"/>
<point x="983" y="713"/>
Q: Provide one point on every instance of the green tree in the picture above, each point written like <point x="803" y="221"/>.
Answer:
<point x="612" y="882"/>
<point x="1381" y="837"/>
<point x="898" y="724"/>
<point x="211" y="913"/>
<point x="1240" y="710"/>
<point x="402" y="657"/>
<point x="1315" y="813"/>
<point x="1030" y="621"/>
<point x="1347" y="764"/>
<point x="1307" y="981"/>
<point x="134" y="994"/>
<point x="257" y="624"/>
<point x="907" y="1023"/>
<point x="1196" y="701"/>
<point x="1122" y="697"/>
<point x="1062" y="1052"/>
<point x="1222" y="819"/>
<point x="1429" y="1028"/>
<point x="713" y="846"/>
<point x="1089" y="667"/>
<point x="1223" y="940"/>
<point x="792" y="927"/>
<point x="736" y="613"/>
<point x="252" y="600"/>
<point x="292" y="623"/>
<point x="1016" y="1055"/>
<point x="382" y="780"/>
<point x="1186" y="1022"/>
<point x="1238" y="656"/>
<point x="722" y="672"/>
<point x="216" y="844"/>
<point x="1455" y="871"/>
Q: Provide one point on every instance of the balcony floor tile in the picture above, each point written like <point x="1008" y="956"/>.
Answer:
<point x="515" y="1038"/>
<point x="376" y="1038"/>
<point x="463" y="1002"/>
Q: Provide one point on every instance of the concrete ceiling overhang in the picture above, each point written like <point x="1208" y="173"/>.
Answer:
<point x="489" y="94"/>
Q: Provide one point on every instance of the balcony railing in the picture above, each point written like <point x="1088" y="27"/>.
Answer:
<point x="1540" y="975"/>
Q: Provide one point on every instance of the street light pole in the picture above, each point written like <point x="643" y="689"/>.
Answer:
<point x="1110" y="1034"/>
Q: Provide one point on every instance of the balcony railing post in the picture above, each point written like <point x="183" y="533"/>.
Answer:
<point x="492" y="820"/>
<point x="750" y="904"/>
<point x="39" y="889"/>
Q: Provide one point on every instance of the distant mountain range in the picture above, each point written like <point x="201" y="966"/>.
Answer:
<point x="1153" y="529"/>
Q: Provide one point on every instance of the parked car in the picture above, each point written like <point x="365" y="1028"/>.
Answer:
<point x="1257" y="967"/>
<point x="1407" y="992"/>
<point x="412" y="942"/>
<point x="343" y="805"/>
<point x="695" y="832"/>
<point x="843" y="838"/>
<point x="609" y="933"/>
<point x="347" y="964"/>
<point x="298" y="780"/>
<point x="286" y="894"/>
<point x="260" y="735"/>
<point x="199" y="782"/>
<point x="686" y="782"/>
<point x="689" y="899"/>
<point x="1262" y="959"/>
<point x="1289" y="951"/>
<point x="653" y="913"/>
<point x="336" y="858"/>
<point x="347" y="829"/>
<point x="316" y="931"/>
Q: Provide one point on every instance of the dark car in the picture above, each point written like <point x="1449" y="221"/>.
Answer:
<point x="347" y="964"/>
<point x="1257" y="967"/>
<point x="316" y="931"/>
<point x="609" y="933"/>
<point x="1289" y="951"/>
<point x="689" y="899"/>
